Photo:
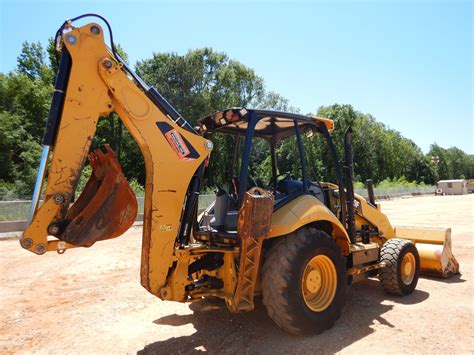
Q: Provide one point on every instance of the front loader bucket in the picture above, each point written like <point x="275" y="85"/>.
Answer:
<point x="434" y="247"/>
<point x="107" y="206"/>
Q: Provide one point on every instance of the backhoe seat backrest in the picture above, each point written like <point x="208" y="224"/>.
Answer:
<point x="289" y="189"/>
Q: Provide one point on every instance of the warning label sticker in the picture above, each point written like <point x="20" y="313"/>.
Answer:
<point x="177" y="143"/>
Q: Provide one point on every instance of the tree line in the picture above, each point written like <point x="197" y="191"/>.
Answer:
<point x="198" y="83"/>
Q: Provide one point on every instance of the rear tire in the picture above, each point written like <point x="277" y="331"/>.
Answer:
<point x="400" y="275"/>
<point x="304" y="282"/>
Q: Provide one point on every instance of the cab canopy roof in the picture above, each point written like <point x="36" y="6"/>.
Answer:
<point x="268" y="124"/>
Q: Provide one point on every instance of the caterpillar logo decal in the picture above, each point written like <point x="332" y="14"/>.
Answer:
<point x="177" y="142"/>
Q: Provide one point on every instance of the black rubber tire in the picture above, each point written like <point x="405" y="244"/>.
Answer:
<point x="392" y="253"/>
<point x="281" y="281"/>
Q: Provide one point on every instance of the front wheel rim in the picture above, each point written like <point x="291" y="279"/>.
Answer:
<point x="407" y="268"/>
<point x="319" y="283"/>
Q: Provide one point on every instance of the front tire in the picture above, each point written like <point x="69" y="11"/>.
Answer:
<point x="304" y="282"/>
<point x="400" y="275"/>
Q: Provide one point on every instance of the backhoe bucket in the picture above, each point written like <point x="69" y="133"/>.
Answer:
<point x="107" y="206"/>
<point x="434" y="247"/>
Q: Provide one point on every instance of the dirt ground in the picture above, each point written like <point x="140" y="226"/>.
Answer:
<point x="91" y="301"/>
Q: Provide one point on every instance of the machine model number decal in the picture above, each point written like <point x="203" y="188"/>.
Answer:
<point x="166" y="227"/>
<point x="177" y="143"/>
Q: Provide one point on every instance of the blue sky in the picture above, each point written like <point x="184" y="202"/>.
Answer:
<point x="409" y="63"/>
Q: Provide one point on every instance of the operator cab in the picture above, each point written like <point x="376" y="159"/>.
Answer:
<point x="256" y="138"/>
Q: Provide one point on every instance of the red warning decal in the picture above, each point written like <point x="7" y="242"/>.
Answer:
<point x="177" y="143"/>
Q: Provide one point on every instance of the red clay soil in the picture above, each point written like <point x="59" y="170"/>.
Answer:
<point x="91" y="301"/>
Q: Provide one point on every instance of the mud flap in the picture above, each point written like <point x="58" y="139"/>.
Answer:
<point x="107" y="206"/>
<point x="434" y="247"/>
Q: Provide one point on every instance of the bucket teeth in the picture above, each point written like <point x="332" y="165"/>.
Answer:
<point x="107" y="206"/>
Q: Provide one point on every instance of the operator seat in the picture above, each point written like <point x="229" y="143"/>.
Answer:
<point x="288" y="189"/>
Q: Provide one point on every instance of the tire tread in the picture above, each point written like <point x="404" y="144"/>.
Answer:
<point x="390" y="253"/>
<point x="275" y="283"/>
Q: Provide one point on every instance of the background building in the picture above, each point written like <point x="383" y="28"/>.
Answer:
<point x="451" y="187"/>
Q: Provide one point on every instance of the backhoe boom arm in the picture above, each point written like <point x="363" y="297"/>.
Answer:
<point x="97" y="85"/>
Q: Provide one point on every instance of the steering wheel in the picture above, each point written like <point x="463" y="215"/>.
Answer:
<point x="274" y="183"/>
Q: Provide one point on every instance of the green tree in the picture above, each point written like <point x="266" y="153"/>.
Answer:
<point x="27" y="98"/>
<point x="32" y="62"/>
<point x="451" y="163"/>
<point x="379" y="152"/>
<point x="24" y="105"/>
<point x="19" y="154"/>
<point x="202" y="81"/>
<point x="198" y="83"/>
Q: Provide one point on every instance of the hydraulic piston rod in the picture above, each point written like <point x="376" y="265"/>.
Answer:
<point x="57" y="103"/>
<point x="39" y="182"/>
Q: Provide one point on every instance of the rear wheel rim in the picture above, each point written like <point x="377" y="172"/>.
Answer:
<point x="407" y="268"/>
<point x="319" y="283"/>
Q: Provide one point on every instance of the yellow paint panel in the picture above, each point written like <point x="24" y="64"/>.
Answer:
<point x="375" y="217"/>
<point x="434" y="247"/>
<point x="94" y="90"/>
<point x="86" y="99"/>
<point x="327" y="122"/>
<point x="167" y="173"/>
<point x="303" y="210"/>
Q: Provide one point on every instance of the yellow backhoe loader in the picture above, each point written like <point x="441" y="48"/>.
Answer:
<point x="297" y="242"/>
